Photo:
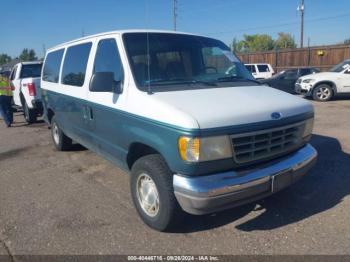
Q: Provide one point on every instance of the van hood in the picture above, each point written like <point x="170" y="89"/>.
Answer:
<point x="228" y="106"/>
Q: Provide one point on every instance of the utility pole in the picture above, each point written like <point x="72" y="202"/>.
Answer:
<point x="174" y="13"/>
<point x="44" y="50"/>
<point x="301" y="8"/>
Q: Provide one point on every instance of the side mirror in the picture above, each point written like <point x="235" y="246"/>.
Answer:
<point x="104" y="82"/>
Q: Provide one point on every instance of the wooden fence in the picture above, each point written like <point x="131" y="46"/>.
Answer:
<point x="322" y="57"/>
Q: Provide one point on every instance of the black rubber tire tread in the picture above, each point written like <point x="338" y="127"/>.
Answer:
<point x="170" y="213"/>
<point x="65" y="143"/>
<point x="29" y="114"/>
<point x="314" y="95"/>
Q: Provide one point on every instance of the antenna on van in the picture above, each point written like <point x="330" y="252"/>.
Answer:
<point x="149" y="89"/>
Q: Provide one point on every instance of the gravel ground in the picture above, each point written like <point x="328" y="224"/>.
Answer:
<point x="77" y="203"/>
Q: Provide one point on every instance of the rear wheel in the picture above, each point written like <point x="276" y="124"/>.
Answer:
<point x="153" y="193"/>
<point x="60" y="140"/>
<point x="322" y="93"/>
<point x="29" y="114"/>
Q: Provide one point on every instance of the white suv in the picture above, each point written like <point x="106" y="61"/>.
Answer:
<point x="324" y="86"/>
<point x="260" y="71"/>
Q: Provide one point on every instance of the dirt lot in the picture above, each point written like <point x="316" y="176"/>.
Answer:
<point x="77" y="203"/>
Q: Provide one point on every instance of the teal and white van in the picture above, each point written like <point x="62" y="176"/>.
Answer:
<point x="182" y="115"/>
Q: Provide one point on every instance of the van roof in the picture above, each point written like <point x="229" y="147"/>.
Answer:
<point x="119" y="32"/>
<point x="31" y="62"/>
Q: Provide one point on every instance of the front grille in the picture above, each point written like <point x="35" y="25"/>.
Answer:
<point x="253" y="146"/>
<point x="299" y="81"/>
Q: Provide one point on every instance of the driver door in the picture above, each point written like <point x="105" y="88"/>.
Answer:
<point x="15" y="84"/>
<point x="345" y="81"/>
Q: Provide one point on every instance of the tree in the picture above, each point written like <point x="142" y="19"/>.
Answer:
<point x="257" y="42"/>
<point x="4" y="58"/>
<point x="234" y="45"/>
<point x="28" y="55"/>
<point x="347" y="42"/>
<point x="285" y="40"/>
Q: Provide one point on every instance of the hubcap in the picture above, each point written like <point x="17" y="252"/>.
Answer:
<point x="147" y="195"/>
<point x="55" y="133"/>
<point x="323" y="93"/>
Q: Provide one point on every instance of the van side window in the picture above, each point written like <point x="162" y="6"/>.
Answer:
<point x="251" y="68"/>
<point x="263" y="68"/>
<point x="107" y="59"/>
<point x="52" y="66"/>
<point x="74" y="66"/>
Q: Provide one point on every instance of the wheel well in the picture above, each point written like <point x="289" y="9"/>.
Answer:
<point x="50" y="114"/>
<point x="331" y="84"/>
<point x="138" y="150"/>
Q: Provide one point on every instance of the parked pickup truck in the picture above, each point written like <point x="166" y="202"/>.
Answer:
<point x="25" y="82"/>
<point x="182" y="115"/>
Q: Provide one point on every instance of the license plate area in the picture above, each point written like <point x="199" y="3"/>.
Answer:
<point x="281" y="180"/>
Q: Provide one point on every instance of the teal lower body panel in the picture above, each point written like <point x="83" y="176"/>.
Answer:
<point x="112" y="132"/>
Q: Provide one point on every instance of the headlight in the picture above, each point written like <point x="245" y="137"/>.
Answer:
<point x="204" y="149"/>
<point x="309" y="125"/>
<point x="308" y="81"/>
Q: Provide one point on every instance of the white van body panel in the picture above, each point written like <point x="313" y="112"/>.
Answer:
<point x="219" y="107"/>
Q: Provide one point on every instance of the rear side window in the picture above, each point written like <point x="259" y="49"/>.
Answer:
<point x="291" y="74"/>
<point x="251" y="68"/>
<point x="107" y="59"/>
<point x="263" y="68"/>
<point x="305" y="71"/>
<point x="32" y="70"/>
<point x="74" y="66"/>
<point x="52" y="66"/>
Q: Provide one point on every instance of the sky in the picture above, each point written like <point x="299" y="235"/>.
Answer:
<point x="41" y="24"/>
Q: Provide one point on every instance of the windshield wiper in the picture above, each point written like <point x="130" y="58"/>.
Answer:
<point x="181" y="81"/>
<point x="236" y="79"/>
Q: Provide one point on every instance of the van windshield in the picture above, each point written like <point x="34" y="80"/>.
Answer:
<point x="166" y="61"/>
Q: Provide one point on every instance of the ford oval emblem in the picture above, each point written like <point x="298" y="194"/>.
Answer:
<point x="276" y="115"/>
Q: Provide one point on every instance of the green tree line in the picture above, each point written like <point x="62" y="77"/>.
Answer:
<point x="26" y="55"/>
<point x="264" y="42"/>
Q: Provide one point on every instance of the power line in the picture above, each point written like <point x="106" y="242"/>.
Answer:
<point x="282" y="24"/>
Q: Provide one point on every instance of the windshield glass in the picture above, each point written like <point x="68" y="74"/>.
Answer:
<point x="31" y="70"/>
<point x="341" y="67"/>
<point x="182" y="61"/>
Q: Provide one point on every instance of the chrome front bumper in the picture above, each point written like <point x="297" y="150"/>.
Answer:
<point x="302" y="90"/>
<point x="211" y="193"/>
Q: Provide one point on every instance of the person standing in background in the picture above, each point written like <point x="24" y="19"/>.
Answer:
<point x="6" y="101"/>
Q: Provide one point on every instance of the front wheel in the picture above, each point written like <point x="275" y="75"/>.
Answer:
<point x="29" y="114"/>
<point x="153" y="193"/>
<point x="60" y="140"/>
<point x="322" y="93"/>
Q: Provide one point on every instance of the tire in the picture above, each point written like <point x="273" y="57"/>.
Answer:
<point x="322" y="93"/>
<point x="60" y="140"/>
<point x="29" y="114"/>
<point x="153" y="171"/>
